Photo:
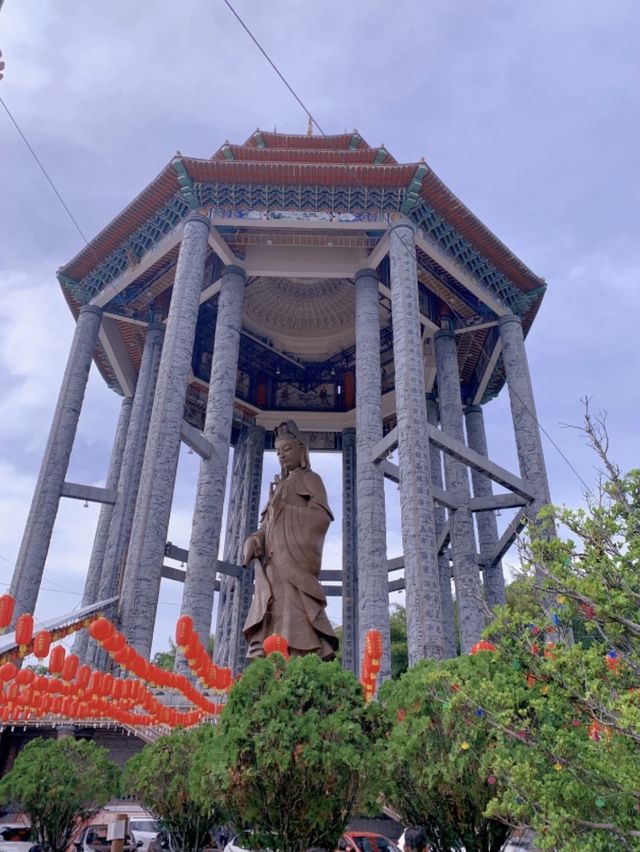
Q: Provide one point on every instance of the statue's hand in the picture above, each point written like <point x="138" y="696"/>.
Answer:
<point x="252" y="550"/>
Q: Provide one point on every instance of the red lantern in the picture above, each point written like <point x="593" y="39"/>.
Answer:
<point x="41" y="683"/>
<point x="115" y="642"/>
<point x="95" y="684"/>
<point x="192" y="648"/>
<point x="101" y="629"/>
<point x="373" y="643"/>
<point x="13" y="691"/>
<point x="8" y="671"/>
<point x="482" y="645"/>
<point x="125" y="656"/>
<point x="70" y="667"/>
<point x="184" y="630"/>
<point x="41" y="644"/>
<point x="7" y="605"/>
<point x="56" y="659"/>
<point x="25" y="677"/>
<point x="24" y="628"/>
<point x="276" y="644"/>
<point x="83" y="677"/>
<point x="107" y="685"/>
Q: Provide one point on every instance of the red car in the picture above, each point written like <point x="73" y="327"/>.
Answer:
<point x="365" y="841"/>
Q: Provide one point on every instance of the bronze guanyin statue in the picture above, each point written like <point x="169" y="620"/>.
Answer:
<point x="288" y="598"/>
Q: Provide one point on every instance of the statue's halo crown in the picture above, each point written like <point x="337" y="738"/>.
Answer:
<point x="289" y="429"/>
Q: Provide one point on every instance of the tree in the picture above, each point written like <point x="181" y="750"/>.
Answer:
<point x="60" y="784"/>
<point x="434" y="759"/>
<point x="166" y="659"/>
<point x="398" y="635"/>
<point x="160" y="777"/>
<point x="566" y="717"/>
<point x="293" y="747"/>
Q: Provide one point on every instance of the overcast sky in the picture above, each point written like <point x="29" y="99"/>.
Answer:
<point x="528" y="111"/>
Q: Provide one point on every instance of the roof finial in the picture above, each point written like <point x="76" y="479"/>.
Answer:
<point x="310" y="126"/>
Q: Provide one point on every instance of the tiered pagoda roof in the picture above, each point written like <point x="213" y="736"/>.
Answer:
<point x="345" y="192"/>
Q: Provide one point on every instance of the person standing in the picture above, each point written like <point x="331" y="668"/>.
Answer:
<point x="415" y="840"/>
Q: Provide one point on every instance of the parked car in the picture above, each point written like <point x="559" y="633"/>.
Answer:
<point x="94" y="839"/>
<point x="144" y="830"/>
<point x="239" y="843"/>
<point x="366" y="841"/>
<point x="16" y="837"/>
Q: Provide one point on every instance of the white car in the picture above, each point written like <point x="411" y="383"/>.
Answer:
<point x="238" y="843"/>
<point x="144" y="830"/>
<point x="16" y="837"/>
<point x="94" y="838"/>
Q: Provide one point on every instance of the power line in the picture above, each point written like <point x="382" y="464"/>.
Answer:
<point x="273" y="65"/>
<point x="307" y="111"/>
<point x="43" y="170"/>
<point x="350" y="167"/>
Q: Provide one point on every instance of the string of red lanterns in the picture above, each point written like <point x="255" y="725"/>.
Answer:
<point x="105" y="633"/>
<point x="371" y="660"/>
<point x="200" y="664"/>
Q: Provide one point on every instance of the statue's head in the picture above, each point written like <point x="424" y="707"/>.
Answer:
<point x="291" y="448"/>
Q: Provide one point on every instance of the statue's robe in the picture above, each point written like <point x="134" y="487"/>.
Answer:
<point x="288" y="598"/>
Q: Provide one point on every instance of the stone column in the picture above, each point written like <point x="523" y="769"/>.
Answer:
<point x="444" y="563"/>
<point x="350" y="656"/>
<point x="122" y="519"/>
<point x="373" y="584"/>
<point x="466" y="573"/>
<point x="199" y="585"/>
<point x="486" y="522"/>
<point x="141" y="582"/>
<point x="92" y="583"/>
<point x="242" y="519"/>
<point x="227" y="597"/>
<point x="25" y="583"/>
<point x="252" y="481"/>
<point x="523" y="411"/>
<point x="424" y="612"/>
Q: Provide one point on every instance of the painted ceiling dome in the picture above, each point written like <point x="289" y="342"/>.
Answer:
<point x="305" y="310"/>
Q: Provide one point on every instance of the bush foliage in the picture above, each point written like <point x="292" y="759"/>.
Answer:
<point x="160" y="777"/>
<point x="60" y="784"/>
<point x="291" y="753"/>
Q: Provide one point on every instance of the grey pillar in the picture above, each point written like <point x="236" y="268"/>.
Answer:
<point x="466" y="573"/>
<point x="444" y="563"/>
<point x="523" y="411"/>
<point x="424" y="612"/>
<point x="350" y="657"/>
<point x="227" y="598"/>
<point x="122" y="519"/>
<point x="92" y="583"/>
<point x="486" y="522"/>
<point x="199" y="585"/>
<point x="242" y="519"/>
<point x="254" y="456"/>
<point x="25" y="583"/>
<point x="373" y="583"/>
<point x="141" y="582"/>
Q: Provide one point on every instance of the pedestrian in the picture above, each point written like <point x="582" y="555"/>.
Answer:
<point x="415" y="840"/>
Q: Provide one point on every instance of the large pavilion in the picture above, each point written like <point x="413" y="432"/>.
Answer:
<point x="315" y="279"/>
